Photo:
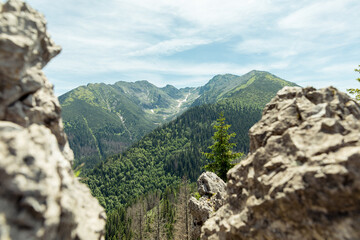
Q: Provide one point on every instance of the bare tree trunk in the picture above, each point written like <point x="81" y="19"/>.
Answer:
<point x="140" y="221"/>
<point x="182" y="212"/>
<point x="158" y="222"/>
<point x="186" y="211"/>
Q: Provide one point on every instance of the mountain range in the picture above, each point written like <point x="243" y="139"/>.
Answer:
<point x="102" y="119"/>
<point x="105" y="119"/>
<point x="135" y="138"/>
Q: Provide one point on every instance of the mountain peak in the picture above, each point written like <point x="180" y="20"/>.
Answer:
<point x="227" y="85"/>
<point x="169" y="86"/>
<point x="254" y="72"/>
<point x="143" y="82"/>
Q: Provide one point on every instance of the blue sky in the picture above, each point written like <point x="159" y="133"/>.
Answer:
<point x="187" y="42"/>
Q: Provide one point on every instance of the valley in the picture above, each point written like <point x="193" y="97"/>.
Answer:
<point x="135" y="142"/>
<point x="104" y="119"/>
<point x="148" y="170"/>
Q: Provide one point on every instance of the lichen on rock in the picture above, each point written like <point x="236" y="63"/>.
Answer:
<point x="39" y="196"/>
<point x="301" y="179"/>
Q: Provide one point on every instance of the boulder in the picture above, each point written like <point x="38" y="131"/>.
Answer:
<point x="301" y="179"/>
<point x="213" y="195"/>
<point x="40" y="198"/>
<point x="209" y="184"/>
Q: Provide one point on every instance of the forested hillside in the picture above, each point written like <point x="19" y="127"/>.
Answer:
<point x="145" y="179"/>
<point x="173" y="150"/>
<point x="101" y="120"/>
<point x="169" y="152"/>
<point x="153" y="166"/>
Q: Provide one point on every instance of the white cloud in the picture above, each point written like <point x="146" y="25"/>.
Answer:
<point x="278" y="47"/>
<point x="324" y="17"/>
<point x="138" y="38"/>
<point x="339" y="67"/>
<point x="169" y="47"/>
<point x="204" y="14"/>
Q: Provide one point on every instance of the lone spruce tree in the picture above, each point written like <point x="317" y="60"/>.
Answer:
<point x="221" y="153"/>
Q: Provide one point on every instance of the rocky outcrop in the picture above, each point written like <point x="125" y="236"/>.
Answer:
<point x="302" y="177"/>
<point x="213" y="195"/>
<point x="39" y="196"/>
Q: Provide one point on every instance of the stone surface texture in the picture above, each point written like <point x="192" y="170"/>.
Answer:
<point x="39" y="196"/>
<point x="301" y="179"/>
<point x="213" y="195"/>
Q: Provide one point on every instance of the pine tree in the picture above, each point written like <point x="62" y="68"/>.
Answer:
<point x="118" y="225"/>
<point x="221" y="153"/>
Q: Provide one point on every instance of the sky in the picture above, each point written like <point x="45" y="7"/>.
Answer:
<point x="187" y="42"/>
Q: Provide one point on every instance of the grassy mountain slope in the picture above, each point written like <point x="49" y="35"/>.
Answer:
<point x="255" y="87"/>
<point x="258" y="90"/>
<point x="101" y="119"/>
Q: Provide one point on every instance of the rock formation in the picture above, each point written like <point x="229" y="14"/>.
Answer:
<point x="302" y="177"/>
<point x="213" y="195"/>
<point x="39" y="196"/>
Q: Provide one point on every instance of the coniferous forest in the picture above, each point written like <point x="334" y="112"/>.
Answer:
<point x="158" y="162"/>
<point x="168" y="153"/>
<point x="142" y="187"/>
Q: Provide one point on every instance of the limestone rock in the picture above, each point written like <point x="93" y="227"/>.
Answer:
<point x="26" y="96"/>
<point x="39" y="196"/>
<point x="301" y="179"/>
<point x="213" y="195"/>
<point x="209" y="184"/>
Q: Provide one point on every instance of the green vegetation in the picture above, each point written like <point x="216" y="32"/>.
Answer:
<point x="140" y="186"/>
<point x="94" y="133"/>
<point x="156" y="215"/>
<point x="221" y="153"/>
<point x="162" y="157"/>
<point x="197" y="195"/>
<point x="102" y="120"/>
<point x="255" y="88"/>
<point x="118" y="225"/>
<point x="355" y="91"/>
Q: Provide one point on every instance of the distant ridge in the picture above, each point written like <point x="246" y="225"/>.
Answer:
<point x="104" y="119"/>
<point x="255" y="83"/>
